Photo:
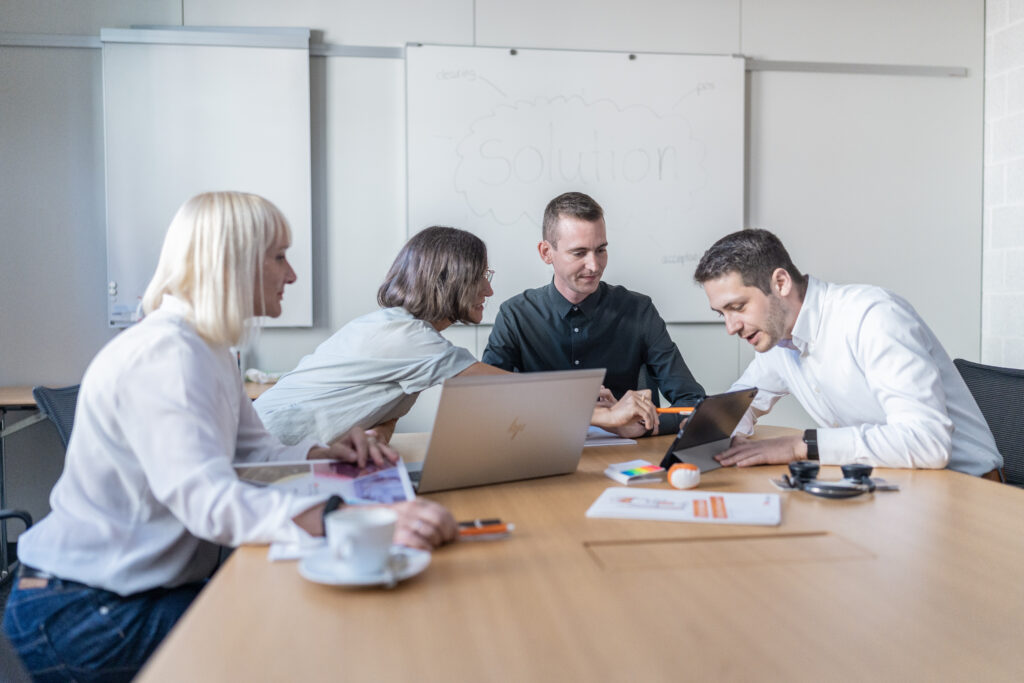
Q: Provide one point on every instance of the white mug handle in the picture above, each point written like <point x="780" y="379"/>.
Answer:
<point x="345" y="549"/>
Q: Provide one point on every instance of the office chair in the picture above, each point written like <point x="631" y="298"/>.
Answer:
<point x="58" y="405"/>
<point x="999" y="393"/>
<point x="7" y="566"/>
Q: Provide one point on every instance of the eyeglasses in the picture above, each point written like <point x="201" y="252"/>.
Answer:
<point x="489" y="274"/>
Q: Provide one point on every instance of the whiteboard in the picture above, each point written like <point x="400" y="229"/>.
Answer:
<point x="656" y="139"/>
<point x="190" y="111"/>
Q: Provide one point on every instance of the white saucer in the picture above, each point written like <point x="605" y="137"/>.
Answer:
<point x="322" y="567"/>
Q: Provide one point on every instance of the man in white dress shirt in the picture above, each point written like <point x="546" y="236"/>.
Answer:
<point x="860" y="360"/>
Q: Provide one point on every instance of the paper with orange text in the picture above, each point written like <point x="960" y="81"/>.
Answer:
<point x="709" y="507"/>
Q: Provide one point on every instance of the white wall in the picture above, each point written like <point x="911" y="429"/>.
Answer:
<point x="1003" y="309"/>
<point x="869" y="178"/>
<point x="52" y="234"/>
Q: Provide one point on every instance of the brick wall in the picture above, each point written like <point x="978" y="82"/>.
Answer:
<point x="1002" y="332"/>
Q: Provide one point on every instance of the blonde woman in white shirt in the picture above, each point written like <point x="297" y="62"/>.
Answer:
<point x="148" y="490"/>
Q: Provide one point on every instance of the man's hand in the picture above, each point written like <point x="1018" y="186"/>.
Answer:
<point x="631" y="416"/>
<point x="423" y="524"/>
<point x="358" y="446"/>
<point x="779" y="451"/>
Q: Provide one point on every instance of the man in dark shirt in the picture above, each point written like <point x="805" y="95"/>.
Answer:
<point x="578" y="321"/>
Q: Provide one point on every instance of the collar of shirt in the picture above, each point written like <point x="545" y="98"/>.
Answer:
<point x="174" y="306"/>
<point x="808" y="322"/>
<point x="564" y="307"/>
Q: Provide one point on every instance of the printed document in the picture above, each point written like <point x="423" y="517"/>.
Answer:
<point x="708" y="507"/>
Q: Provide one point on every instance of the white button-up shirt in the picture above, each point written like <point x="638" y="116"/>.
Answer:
<point x="370" y="371"/>
<point x="148" y="487"/>
<point x="877" y="381"/>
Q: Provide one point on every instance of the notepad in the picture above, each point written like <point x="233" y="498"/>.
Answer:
<point x="599" y="437"/>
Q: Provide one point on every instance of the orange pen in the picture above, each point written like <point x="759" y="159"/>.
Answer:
<point x="487" y="530"/>
<point x="680" y="410"/>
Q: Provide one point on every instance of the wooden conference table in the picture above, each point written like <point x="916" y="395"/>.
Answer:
<point x="921" y="584"/>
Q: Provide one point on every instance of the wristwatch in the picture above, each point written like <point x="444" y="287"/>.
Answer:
<point x="332" y="504"/>
<point x="811" y="440"/>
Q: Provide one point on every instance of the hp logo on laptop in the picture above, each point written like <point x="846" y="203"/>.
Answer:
<point x="515" y="428"/>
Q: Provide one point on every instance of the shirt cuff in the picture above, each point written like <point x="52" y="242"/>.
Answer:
<point x="837" y="446"/>
<point x="746" y="425"/>
<point x="668" y="424"/>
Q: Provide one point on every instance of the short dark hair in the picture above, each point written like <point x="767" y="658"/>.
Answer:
<point x="573" y="204"/>
<point x="436" y="276"/>
<point x="754" y="254"/>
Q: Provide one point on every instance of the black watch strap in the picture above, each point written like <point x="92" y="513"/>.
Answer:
<point x="811" y="440"/>
<point x="332" y="504"/>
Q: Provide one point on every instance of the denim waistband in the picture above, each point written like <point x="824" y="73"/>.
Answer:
<point x="27" y="572"/>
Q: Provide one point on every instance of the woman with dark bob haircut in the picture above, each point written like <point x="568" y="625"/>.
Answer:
<point x="369" y="373"/>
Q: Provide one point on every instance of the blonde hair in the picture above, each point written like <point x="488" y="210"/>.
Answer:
<point x="212" y="258"/>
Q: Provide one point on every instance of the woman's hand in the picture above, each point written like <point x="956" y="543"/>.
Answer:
<point x="383" y="431"/>
<point x="358" y="446"/>
<point x="423" y="524"/>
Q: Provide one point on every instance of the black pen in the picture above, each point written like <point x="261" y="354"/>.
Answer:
<point x="478" y="523"/>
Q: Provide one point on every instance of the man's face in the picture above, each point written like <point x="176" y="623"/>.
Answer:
<point x="750" y="313"/>
<point x="578" y="257"/>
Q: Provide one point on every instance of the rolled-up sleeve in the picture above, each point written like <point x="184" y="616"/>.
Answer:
<point x="430" y="362"/>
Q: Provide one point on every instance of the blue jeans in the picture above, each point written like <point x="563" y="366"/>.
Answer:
<point x="68" y="631"/>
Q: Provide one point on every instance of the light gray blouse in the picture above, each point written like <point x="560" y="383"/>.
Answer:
<point x="370" y="371"/>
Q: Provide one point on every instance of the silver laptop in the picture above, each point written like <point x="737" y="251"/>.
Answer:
<point x="495" y="428"/>
<point x="708" y="432"/>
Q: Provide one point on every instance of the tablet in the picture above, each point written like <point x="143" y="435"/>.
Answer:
<point x="709" y="430"/>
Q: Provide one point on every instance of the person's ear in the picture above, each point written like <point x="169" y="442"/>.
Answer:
<point x="544" y="248"/>
<point x="782" y="282"/>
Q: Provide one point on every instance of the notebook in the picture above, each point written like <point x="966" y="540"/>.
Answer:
<point x="709" y="430"/>
<point x="496" y="428"/>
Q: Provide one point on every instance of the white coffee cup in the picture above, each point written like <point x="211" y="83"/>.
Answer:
<point x="360" y="538"/>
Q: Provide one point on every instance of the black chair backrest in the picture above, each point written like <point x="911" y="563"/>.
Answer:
<point x="58" y="405"/>
<point x="999" y="393"/>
